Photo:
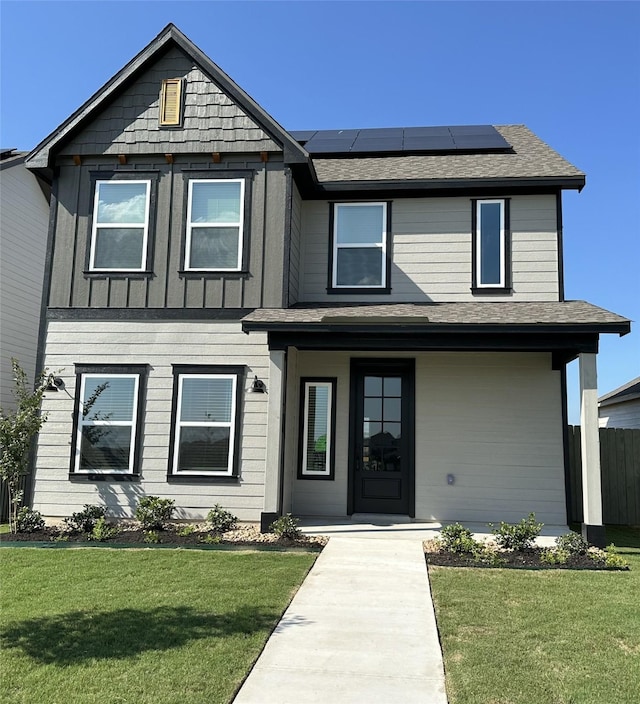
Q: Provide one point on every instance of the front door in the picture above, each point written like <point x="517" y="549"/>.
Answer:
<point x="382" y="436"/>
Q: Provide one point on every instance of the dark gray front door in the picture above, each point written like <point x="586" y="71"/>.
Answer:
<point x="382" y="436"/>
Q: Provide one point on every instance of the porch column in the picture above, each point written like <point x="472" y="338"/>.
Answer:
<point x="272" y="474"/>
<point x="592" y="527"/>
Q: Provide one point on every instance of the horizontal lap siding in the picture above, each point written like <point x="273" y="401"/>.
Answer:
<point x="432" y="257"/>
<point x="159" y="345"/>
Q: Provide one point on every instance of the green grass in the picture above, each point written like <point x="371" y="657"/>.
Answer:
<point x="137" y="626"/>
<point x="542" y="636"/>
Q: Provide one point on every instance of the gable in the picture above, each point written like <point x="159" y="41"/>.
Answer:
<point x="130" y="124"/>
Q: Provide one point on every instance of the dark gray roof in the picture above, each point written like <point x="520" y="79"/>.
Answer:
<point x="570" y="314"/>
<point x="531" y="158"/>
<point x="626" y="392"/>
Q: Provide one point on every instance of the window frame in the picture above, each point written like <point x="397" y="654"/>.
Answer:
<point x="329" y="473"/>
<point x="181" y="371"/>
<point x="85" y="371"/>
<point x="241" y="225"/>
<point x="504" y="285"/>
<point x="385" y="245"/>
<point x="129" y="178"/>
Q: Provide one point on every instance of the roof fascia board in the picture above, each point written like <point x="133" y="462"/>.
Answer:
<point x="618" y="400"/>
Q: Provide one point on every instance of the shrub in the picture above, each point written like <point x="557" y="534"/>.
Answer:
<point x="211" y="539"/>
<point x="488" y="554"/>
<point x="151" y="536"/>
<point x="286" y="527"/>
<point x="153" y="512"/>
<point x="221" y="521"/>
<point x="573" y="543"/>
<point x="84" y="521"/>
<point x="554" y="556"/>
<point x="613" y="560"/>
<point x="520" y="536"/>
<point x="186" y="530"/>
<point x="458" y="539"/>
<point x="103" y="531"/>
<point x="29" y="521"/>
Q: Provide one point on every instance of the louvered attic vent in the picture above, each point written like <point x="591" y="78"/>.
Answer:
<point x="171" y="102"/>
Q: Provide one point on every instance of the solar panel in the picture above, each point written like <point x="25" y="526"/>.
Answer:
<point x="379" y="144"/>
<point x="429" y="143"/>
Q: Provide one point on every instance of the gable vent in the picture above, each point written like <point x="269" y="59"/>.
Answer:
<point x="171" y="102"/>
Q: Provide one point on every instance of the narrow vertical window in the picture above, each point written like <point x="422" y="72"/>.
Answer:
<point x="171" y="102"/>
<point x="318" y="428"/>
<point x="490" y="244"/>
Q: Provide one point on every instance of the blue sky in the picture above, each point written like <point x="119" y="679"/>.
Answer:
<point x="569" y="70"/>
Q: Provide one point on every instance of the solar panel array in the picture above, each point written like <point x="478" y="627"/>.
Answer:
<point x="401" y="140"/>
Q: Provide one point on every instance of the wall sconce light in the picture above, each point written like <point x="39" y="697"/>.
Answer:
<point x="258" y="386"/>
<point x="56" y="384"/>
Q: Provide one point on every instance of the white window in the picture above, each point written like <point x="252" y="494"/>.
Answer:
<point x="205" y="425"/>
<point x="359" y="245"/>
<point x="317" y="428"/>
<point x="490" y="244"/>
<point x="107" y="423"/>
<point x="215" y="223"/>
<point x="120" y="226"/>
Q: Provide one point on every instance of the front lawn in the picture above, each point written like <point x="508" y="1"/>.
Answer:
<point x="541" y="636"/>
<point x="137" y="626"/>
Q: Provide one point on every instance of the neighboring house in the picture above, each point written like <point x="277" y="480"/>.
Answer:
<point x="620" y="408"/>
<point x="326" y="322"/>
<point x="24" y="220"/>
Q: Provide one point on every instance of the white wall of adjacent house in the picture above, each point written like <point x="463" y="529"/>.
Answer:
<point x="158" y="344"/>
<point x="492" y="420"/>
<point x="24" y="216"/>
<point x="625" y="414"/>
<point x="432" y="251"/>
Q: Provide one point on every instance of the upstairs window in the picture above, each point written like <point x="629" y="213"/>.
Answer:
<point x="120" y="228"/>
<point x="360" y="247"/>
<point x="215" y="224"/>
<point x="491" y="244"/>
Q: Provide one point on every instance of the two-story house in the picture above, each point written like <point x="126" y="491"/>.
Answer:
<point x="324" y="322"/>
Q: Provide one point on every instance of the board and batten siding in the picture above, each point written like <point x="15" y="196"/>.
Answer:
<point x="24" y="216"/>
<point x="492" y="420"/>
<point x="158" y="344"/>
<point x="166" y="287"/>
<point x="432" y="251"/>
<point x="294" y="246"/>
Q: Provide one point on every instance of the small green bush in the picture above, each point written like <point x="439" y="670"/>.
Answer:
<point x="488" y="554"/>
<point x="186" y="530"/>
<point x="103" y="531"/>
<point x="573" y="543"/>
<point x="613" y="560"/>
<point x="520" y="536"/>
<point x="151" y="536"/>
<point x="221" y="521"/>
<point x="29" y="521"/>
<point x="286" y="527"/>
<point x="554" y="556"/>
<point x="458" y="539"/>
<point x="153" y="512"/>
<point x="84" y="521"/>
<point x="211" y="539"/>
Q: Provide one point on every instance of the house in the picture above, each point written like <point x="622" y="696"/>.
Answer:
<point x="330" y="322"/>
<point x="620" y="408"/>
<point x="24" y="221"/>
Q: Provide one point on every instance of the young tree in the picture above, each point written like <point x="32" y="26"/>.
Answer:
<point x="17" y="429"/>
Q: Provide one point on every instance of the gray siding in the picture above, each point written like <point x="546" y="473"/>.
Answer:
<point x="621" y="415"/>
<point x="24" y="215"/>
<point x="261" y="286"/>
<point x="294" y="256"/>
<point x="432" y="251"/>
<point x="493" y="420"/>
<point x="212" y="121"/>
<point x="159" y="345"/>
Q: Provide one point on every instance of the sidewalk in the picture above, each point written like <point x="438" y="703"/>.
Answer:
<point x="361" y="629"/>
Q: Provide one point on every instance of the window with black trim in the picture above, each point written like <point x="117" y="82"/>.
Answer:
<point x="491" y="244"/>
<point x="108" y="419"/>
<point x="360" y="247"/>
<point x="215" y="224"/>
<point x="120" y="225"/>
<point x="317" y="428"/>
<point x="206" y="421"/>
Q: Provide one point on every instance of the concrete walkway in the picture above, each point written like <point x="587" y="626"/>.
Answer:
<point x="361" y="629"/>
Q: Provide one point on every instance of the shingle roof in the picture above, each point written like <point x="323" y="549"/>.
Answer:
<point x="574" y="314"/>
<point x="626" y="392"/>
<point x="532" y="158"/>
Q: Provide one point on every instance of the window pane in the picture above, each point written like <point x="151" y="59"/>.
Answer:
<point x="490" y="243"/>
<point x="359" y="267"/>
<point x="214" y="248"/>
<point x="373" y="386"/>
<point x="204" y="449"/>
<point x="392" y="409"/>
<point x="108" y="398"/>
<point x="392" y="386"/>
<point x="122" y="202"/>
<point x="105" y="447"/>
<point x="317" y="428"/>
<point x="118" y="248"/>
<point x="373" y="409"/>
<point x="215" y="201"/>
<point x="359" y="224"/>
<point x="206" y="400"/>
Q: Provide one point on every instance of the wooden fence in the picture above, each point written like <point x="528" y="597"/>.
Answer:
<point x="620" y="469"/>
